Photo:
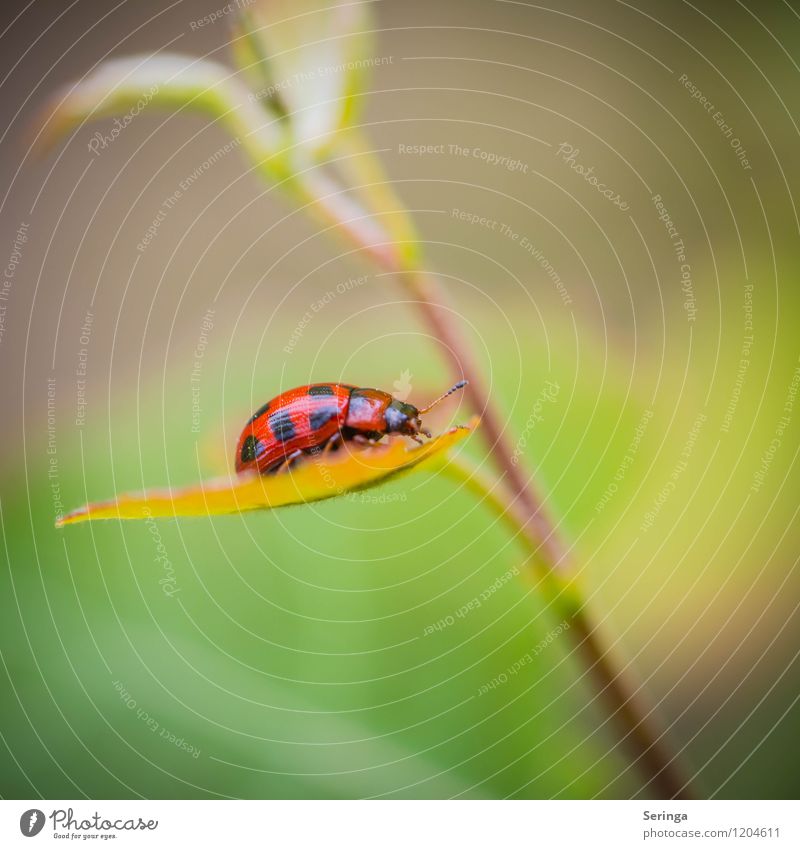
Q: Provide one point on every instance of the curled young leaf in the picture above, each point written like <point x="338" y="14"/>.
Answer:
<point x="319" y="477"/>
<point x="315" y="58"/>
<point x="126" y="87"/>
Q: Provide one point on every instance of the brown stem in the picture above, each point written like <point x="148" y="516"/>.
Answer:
<point x="638" y="734"/>
<point x="647" y="748"/>
<point x="429" y="300"/>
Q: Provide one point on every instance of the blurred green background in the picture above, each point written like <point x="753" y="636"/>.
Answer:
<point x="296" y="656"/>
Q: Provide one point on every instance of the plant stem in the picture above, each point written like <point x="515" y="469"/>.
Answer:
<point x="430" y="303"/>
<point x="640" y="734"/>
<point x="525" y="513"/>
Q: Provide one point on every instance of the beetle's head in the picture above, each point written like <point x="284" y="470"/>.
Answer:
<point x="406" y="418"/>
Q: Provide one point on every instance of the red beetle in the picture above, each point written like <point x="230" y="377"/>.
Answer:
<point x="319" y="417"/>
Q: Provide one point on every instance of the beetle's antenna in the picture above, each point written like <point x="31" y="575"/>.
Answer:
<point x="460" y="385"/>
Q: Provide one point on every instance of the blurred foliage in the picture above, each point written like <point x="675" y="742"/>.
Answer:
<point x="308" y="652"/>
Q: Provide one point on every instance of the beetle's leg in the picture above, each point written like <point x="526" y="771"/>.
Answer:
<point x="333" y="443"/>
<point x="416" y="438"/>
<point x="288" y="461"/>
<point x="320" y="452"/>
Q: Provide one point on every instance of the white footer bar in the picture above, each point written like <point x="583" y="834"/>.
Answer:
<point x="401" y="824"/>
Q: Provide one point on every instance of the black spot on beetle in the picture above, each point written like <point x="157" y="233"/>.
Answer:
<point x="323" y="389"/>
<point x="259" y="412"/>
<point x="281" y="425"/>
<point x="252" y="449"/>
<point x="318" y="418"/>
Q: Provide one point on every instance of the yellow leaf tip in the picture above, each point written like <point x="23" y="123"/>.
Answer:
<point x="79" y="514"/>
